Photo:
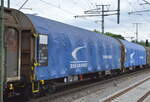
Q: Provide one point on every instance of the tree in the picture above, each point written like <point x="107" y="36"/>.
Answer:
<point x="111" y="34"/>
<point x="144" y="43"/>
<point x="114" y="35"/>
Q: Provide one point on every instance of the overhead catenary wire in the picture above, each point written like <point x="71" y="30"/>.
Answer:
<point x="23" y="4"/>
<point x="92" y="4"/>
<point x="82" y="7"/>
<point x="100" y="11"/>
<point x="139" y="12"/>
<point x="123" y="26"/>
<point x="55" y="6"/>
<point x="147" y="2"/>
<point x="86" y="5"/>
<point x="141" y="16"/>
<point x="15" y="2"/>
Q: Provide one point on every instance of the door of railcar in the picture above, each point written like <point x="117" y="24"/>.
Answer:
<point x="12" y="54"/>
<point x="20" y="50"/>
<point x="27" y="54"/>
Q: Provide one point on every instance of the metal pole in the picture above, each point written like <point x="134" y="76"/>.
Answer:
<point x="8" y="3"/>
<point x="1" y="50"/>
<point x="118" y="15"/>
<point x="136" y="32"/>
<point x="103" y="19"/>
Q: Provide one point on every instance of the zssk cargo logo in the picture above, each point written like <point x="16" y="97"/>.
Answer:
<point x="77" y="63"/>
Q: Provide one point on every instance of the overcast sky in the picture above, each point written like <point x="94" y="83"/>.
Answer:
<point x="65" y="10"/>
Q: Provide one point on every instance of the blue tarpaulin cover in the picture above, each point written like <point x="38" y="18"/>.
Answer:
<point x="135" y="55"/>
<point x="74" y="51"/>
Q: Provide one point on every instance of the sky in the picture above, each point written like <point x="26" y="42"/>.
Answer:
<point x="65" y="10"/>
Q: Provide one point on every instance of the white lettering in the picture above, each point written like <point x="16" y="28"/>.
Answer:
<point x="78" y="64"/>
<point x="107" y="56"/>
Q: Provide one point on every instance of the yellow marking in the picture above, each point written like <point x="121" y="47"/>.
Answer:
<point x="11" y="87"/>
<point x="36" y="64"/>
<point x="35" y="91"/>
<point x="33" y="88"/>
<point x="42" y="82"/>
<point x="32" y="68"/>
<point x="35" y="35"/>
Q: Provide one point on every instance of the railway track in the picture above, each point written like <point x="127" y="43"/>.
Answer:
<point x="85" y="85"/>
<point x="118" y="97"/>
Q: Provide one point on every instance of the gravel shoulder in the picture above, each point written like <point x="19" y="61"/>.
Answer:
<point x="99" y="91"/>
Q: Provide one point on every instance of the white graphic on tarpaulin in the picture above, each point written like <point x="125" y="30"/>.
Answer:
<point x="77" y="63"/>
<point x="74" y="52"/>
<point x="107" y="56"/>
<point x="141" y="57"/>
<point x="131" y="57"/>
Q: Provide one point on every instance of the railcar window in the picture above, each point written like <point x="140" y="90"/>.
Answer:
<point x="11" y="40"/>
<point x="43" y="50"/>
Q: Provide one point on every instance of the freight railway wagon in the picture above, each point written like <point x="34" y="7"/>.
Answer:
<point x="40" y="52"/>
